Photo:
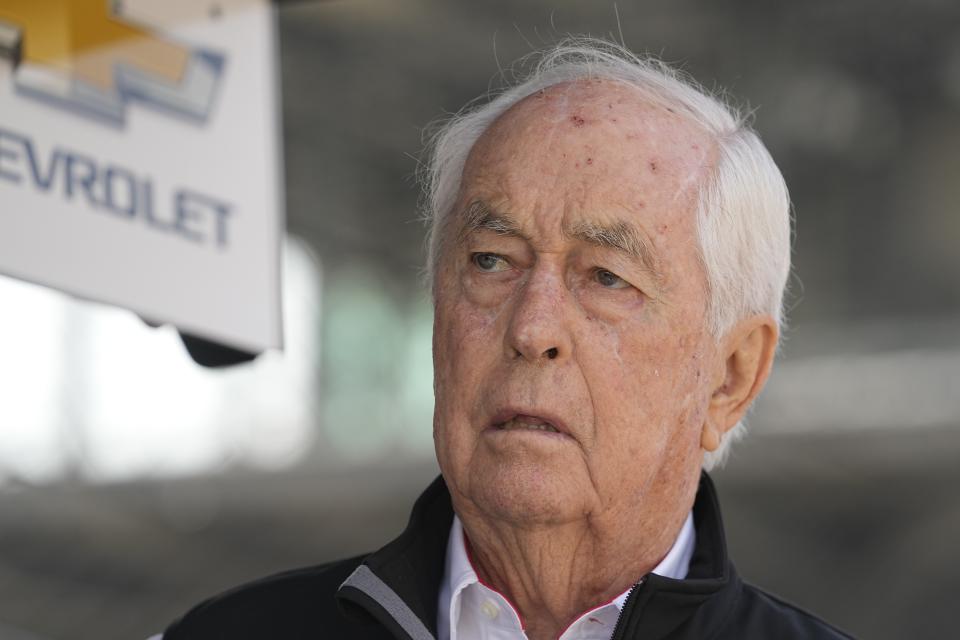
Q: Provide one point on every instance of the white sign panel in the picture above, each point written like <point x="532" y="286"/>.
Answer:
<point x="140" y="159"/>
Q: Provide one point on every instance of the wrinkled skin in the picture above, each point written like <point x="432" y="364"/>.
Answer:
<point x="610" y="350"/>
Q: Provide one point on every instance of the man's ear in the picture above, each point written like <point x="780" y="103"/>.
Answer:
<point x="747" y="352"/>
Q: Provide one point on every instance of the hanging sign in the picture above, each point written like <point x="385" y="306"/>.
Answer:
<point x="140" y="159"/>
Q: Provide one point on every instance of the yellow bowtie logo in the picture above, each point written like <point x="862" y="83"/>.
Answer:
<point x="83" y="55"/>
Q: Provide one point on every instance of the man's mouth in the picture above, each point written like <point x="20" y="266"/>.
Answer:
<point x="528" y="423"/>
<point x="520" y="419"/>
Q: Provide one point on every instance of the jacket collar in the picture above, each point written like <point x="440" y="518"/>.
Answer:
<point x="399" y="584"/>
<point x="702" y="600"/>
<point x="410" y="567"/>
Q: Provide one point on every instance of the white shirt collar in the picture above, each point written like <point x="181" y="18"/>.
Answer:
<point x="481" y="613"/>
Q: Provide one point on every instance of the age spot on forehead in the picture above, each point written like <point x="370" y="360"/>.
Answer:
<point x="577" y="120"/>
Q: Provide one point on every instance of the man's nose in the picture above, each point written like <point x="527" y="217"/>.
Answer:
<point x="538" y="330"/>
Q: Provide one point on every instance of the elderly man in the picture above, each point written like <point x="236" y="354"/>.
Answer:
<point x="609" y="249"/>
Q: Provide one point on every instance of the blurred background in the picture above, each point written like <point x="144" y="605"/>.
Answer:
<point x="134" y="483"/>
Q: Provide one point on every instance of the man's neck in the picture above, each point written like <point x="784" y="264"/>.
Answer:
<point x="552" y="574"/>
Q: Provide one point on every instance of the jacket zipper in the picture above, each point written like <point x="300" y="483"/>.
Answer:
<point x="620" y="628"/>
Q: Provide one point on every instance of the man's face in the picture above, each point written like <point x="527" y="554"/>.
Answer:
<point x="570" y="346"/>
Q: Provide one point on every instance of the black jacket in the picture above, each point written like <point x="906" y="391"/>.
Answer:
<point x="393" y="593"/>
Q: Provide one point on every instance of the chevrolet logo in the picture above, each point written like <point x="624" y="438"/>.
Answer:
<point x="84" y="56"/>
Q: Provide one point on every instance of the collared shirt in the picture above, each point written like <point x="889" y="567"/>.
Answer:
<point x="470" y="610"/>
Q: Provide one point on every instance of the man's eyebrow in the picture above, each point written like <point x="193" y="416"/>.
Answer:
<point x="480" y="215"/>
<point x="619" y="236"/>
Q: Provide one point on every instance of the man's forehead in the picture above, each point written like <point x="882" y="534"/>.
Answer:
<point x="585" y="93"/>
<point x="601" y="134"/>
<point x="581" y="103"/>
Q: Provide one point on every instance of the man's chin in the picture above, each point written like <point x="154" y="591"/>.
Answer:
<point x="528" y="497"/>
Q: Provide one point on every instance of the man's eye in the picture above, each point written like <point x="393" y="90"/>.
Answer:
<point x="489" y="262"/>
<point x="609" y="279"/>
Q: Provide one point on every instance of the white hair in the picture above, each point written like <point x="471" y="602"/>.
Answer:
<point x="744" y="209"/>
